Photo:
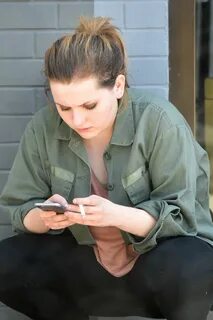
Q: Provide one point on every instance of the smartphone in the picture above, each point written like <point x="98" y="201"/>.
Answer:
<point x="51" y="206"/>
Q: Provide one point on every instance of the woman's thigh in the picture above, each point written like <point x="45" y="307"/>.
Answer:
<point x="178" y="274"/>
<point x="33" y="263"/>
<point x="56" y="266"/>
<point x="175" y="277"/>
<point x="31" y="266"/>
<point x="27" y="257"/>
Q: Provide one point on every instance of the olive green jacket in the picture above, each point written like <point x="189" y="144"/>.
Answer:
<point x="153" y="163"/>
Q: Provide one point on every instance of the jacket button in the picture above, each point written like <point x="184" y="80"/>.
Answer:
<point x="107" y="155"/>
<point x="110" y="187"/>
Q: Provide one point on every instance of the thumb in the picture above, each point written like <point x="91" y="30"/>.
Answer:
<point x="58" y="198"/>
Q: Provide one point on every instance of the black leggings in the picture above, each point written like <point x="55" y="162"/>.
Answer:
<point x="51" y="277"/>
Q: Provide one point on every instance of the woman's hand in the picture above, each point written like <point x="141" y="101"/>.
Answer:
<point x="51" y="219"/>
<point x="99" y="212"/>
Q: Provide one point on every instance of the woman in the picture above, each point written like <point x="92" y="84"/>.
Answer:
<point x="143" y="243"/>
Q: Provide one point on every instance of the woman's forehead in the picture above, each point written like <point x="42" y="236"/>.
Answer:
<point x="80" y="85"/>
<point x="79" y="92"/>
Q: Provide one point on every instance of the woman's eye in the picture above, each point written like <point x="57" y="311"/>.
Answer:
<point x="92" y="106"/>
<point x="87" y="107"/>
<point x="64" y="108"/>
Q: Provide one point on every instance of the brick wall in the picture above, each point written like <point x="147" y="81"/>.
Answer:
<point x="27" y="28"/>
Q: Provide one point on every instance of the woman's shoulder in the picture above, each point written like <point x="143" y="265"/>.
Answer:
<point x="43" y="126"/>
<point x="151" y="108"/>
<point x="46" y="115"/>
<point x="44" y="120"/>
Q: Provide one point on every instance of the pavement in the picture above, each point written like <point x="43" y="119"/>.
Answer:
<point x="210" y="317"/>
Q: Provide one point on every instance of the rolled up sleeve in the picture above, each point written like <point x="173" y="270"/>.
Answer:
<point x="173" y="170"/>
<point x="28" y="181"/>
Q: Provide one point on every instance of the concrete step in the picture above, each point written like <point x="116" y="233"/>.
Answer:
<point x="9" y="314"/>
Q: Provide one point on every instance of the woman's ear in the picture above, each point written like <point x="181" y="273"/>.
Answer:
<point x="119" y="86"/>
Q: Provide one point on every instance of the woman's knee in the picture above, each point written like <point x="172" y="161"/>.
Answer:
<point x="183" y="270"/>
<point x="9" y="266"/>
<point x="179" y="263"/>
<point x="178" y="275"/>
<point x="20" y="256"/>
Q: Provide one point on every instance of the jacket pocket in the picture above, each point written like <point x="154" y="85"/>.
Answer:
<point x="138" y="185"/>
<point x="61" y="181"/>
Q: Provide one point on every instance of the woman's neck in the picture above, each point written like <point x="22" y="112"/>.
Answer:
<point x="99" y="142"/>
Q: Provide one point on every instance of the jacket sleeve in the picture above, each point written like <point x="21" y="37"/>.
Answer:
<point x="28" y="180"/>
<point x="174" y="172"/>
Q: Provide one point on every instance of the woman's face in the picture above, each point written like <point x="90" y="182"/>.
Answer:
<point x="87" y="108"/>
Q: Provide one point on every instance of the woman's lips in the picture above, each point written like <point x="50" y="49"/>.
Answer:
<point x="83" y="129"/>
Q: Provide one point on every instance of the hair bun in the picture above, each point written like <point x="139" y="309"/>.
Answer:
<point x="95" y="26"/>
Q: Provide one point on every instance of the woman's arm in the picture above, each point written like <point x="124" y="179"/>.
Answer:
<point x="102" y="213"/>
<point x="27" y="183"/>
<point x="135" y="221"/>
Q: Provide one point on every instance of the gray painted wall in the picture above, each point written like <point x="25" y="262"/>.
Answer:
<point x="144" y="25"/>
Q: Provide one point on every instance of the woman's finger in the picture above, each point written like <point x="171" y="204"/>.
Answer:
<point x="57" y="198"/>
<point x="82" y="209"/>
<point x="88" y="219"/>
<point x="47" y="214"/>
<point x="89" y="201"/>
<point x="59" y="225"/>
<point x="59" y="218"/>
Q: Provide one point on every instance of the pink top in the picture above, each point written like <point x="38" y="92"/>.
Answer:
<point x="111" y="251"/>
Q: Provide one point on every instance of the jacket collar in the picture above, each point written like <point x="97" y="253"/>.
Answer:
<point x="124" y="130"/>
<point x="63" y="131"/>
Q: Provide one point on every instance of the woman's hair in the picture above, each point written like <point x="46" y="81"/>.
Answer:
<point x="95" y="49"/>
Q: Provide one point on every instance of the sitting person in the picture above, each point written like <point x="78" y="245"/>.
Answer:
<point x="136" y="234"/>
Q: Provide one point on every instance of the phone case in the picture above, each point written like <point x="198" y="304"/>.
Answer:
<point x="57" y="207"/>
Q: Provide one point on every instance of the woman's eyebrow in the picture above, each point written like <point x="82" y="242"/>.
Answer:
<point x="84" y="104"/>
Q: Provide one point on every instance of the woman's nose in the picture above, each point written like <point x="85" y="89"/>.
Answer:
<point x="78" y="118"/>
